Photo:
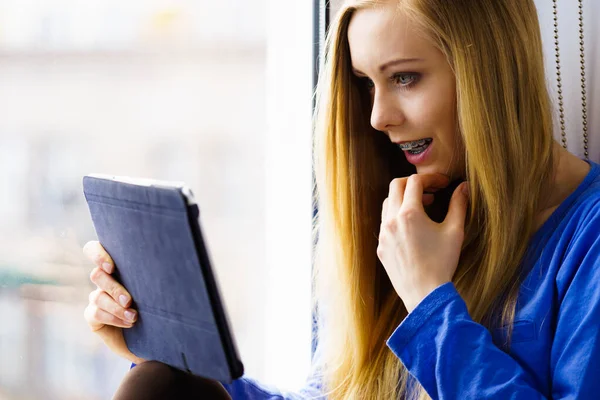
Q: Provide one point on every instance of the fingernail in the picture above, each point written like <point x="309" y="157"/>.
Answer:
<point x="130" y="315"/>
<point x="107" y="267"/>
<point x="465" y="188"/>
<point x="123" y="300"/>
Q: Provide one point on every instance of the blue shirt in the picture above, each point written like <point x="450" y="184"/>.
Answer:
<point x="555" y="347"/>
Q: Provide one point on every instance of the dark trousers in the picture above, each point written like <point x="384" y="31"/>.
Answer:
<point x="153" y="380"/>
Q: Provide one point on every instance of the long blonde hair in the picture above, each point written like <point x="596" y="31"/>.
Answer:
<point x="504" y="118"/>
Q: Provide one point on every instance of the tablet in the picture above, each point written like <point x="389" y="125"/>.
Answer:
<point x="151" y="230"/>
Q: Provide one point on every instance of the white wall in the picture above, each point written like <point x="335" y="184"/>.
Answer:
<point x="570" y="69"/>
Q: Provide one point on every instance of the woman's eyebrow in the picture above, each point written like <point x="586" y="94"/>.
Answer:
<point x="398" y="61"/>
<point x="388" y="64"/>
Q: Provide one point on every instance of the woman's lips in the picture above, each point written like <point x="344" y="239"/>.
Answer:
<point x="420" y="158"/>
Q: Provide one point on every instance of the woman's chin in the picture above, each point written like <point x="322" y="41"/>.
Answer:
<point x="432" y="169"/>
<point x="444" y="170"/>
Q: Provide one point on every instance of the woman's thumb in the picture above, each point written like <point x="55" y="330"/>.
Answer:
<point x="457" y="211"/>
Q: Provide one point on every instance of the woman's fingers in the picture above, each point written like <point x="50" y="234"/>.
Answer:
<point x="109" y="303"/>
<point x="107" y="283"/>
<point x="103" y="301"/>
<point x="428" y="199"/>
<point x="107" y="311"/>
<point x="457" y="210"/>
<point x="97" y="318"/>
<point x="395" y="196"/>
<point x="417" y="184"/>
<point x="384" y="208"/>
<point x="98" y="255"/>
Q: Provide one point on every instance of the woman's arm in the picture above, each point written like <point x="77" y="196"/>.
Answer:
<point x="248" y="389"/>
<point x="454" y="357"/>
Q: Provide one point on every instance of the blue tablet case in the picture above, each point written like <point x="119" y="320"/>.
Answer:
<point x="155" y="240"/>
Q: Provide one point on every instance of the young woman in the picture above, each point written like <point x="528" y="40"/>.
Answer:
<point x="459" y="244"/>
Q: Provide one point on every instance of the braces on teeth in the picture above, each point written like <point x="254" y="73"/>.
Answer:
<point x="415" y="144"/>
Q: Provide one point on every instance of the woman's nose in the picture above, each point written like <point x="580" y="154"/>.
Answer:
<point x="385" y="113"/>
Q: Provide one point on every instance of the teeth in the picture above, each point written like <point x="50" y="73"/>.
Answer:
<point x="414" y="144"/>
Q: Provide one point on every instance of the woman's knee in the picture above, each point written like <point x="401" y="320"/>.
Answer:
<point x="155" y="380"/>
<point x="154" y="368"/>
<point x="149" y="380"/>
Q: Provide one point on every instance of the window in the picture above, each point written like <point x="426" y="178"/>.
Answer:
<point x="214" y="93"/>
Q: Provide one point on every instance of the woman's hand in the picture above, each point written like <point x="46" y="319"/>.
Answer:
<point x="419" y="254"/>
<point x="108" y="309"/>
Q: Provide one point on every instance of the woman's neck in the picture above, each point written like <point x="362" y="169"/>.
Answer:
<point x="569" y="172"/>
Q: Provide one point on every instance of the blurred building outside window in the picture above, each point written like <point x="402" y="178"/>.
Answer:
<point x="216" y="94"/>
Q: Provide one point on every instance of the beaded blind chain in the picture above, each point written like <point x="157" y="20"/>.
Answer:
<point x="561" y="108"/>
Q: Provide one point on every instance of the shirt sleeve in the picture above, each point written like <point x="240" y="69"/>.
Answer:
<point x="576" y="348"/>
<point x="247" y="388"/>
<point x="454" y="357"/>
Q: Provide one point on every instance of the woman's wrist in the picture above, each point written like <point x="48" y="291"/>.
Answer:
<point x="418" y="294"/>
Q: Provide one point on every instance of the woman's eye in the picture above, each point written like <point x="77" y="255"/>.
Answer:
<point x="404" y="79"/>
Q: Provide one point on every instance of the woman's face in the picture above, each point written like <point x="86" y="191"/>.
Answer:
<point x="412" y="88"/>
